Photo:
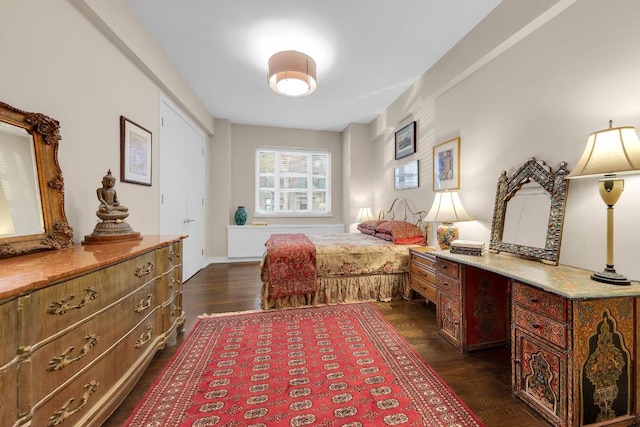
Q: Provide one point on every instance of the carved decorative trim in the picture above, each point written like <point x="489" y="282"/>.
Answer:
<point x="173" y="255"/>
<point x="57" y="233"/>
<point x="66" y="358"/>
<point x="144" y="270"/>
<point x="65" y="412"/>
<point x="556" y="184"/>
<point x="65" y="305"/>
<point x="144" y="304"/>
<point x="144" y="338"/>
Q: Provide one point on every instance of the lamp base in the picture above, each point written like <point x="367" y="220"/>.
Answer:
<point x="610" y="276"/>
<point x="447" y="233"/>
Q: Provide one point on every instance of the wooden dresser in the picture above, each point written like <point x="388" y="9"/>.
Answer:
<point x="574" y="342"/>
<point x="422" y="271"/>
<point x="80" y="326"/>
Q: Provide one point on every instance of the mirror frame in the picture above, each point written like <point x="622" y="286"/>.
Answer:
<point x="57" y="234"/>
<point x="556" y="185"/>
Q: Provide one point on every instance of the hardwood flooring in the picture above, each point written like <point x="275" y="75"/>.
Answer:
<point x="481" y="379"/>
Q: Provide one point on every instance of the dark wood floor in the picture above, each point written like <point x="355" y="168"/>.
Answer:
<point x="481" y="379"/>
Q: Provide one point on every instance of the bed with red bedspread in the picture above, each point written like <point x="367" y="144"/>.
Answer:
<point x="327" y="269"/>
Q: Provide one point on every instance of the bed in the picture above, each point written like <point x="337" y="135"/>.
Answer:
<point x="299" y="269"/>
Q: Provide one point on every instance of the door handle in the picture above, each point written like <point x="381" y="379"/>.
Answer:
<point x="188" y="220"/>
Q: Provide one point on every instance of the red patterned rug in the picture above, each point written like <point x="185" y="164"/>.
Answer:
<point x="339" y="365"/>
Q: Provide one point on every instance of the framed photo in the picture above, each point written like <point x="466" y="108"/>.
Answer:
<point x="446" y="165"/>
<point x="406" y="141"/>
<point x="407" y="176"/>
<point x="135" y="153"/>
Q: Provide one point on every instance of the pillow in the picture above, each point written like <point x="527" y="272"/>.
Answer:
<point x="402" y="232"/>
<point x="369" y="227"/>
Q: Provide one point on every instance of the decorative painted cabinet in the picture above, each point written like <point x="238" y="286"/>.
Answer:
<point x="573" y="340"/>
<point x="80" y="326"/>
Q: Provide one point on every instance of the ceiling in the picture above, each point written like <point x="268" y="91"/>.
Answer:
<point x="368" y="52"/>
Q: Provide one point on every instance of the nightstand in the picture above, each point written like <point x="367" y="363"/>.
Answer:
<point x="422" y="268"/>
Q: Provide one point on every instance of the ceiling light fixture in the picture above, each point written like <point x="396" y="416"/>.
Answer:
<point x="292" y="73"/>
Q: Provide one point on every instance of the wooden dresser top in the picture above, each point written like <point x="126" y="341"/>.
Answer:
<point x="569" y="282"/>
<point x="25" y="273"/>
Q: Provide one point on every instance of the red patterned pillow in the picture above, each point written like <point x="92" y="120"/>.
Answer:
<point x="369" y="227"/>
<point x="402" y="232"/>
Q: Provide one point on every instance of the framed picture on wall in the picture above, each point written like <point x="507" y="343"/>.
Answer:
<point x="406" y="141"/>
<point x="135" y="153"/>
<point x="406" y="176"/>
<point x="446" y="165"/>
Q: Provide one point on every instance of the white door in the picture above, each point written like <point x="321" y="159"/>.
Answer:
<point x="182" y="185"/>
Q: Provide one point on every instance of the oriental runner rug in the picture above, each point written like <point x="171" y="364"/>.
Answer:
<point x="338" y="365"/>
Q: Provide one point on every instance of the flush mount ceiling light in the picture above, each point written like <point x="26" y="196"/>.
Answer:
<point x="292" y="73"/>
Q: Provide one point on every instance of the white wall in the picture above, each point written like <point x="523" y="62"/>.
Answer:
<point x="537" y="93"/>
<point x="56" y="62"/>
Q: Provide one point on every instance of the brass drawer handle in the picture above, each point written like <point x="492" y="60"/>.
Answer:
<point x="66" y="358"/>
<point x="143" y="305"/>
<point x="144" y="270"/>
<point x="66" y="411"/>
<point x="422" y="273"/>
<point x="144" y="338"/>
<point x="173" y="255"/>
<point x="65" y="305"/>
<point x="174" y="282"/>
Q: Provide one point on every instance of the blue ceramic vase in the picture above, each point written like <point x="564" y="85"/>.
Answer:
<point x="240" y="215"/>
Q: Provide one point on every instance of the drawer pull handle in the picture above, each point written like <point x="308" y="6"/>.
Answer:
<point x="144" y="338"/>
<point x="536" y="325"/>
<point x="144" y="270"/>
<point x="444" y="267"/>
<point x="66" y="358"/>
<point x="422" y="273"/>
<point x="534" y="300"/>
<point x="144" y="304"/>
<point x="65" y="412"/>
<point x="65" y="305"/>
<point x="445" y="284"/>
<point x="173" y="255"/>
<point x="174" y="282"/>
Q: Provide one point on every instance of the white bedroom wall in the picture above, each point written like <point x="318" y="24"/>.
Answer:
<point x="540" y="95"/>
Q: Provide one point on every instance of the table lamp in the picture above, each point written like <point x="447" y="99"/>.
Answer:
<point x="447" y="209"/>
<point x="364" y="214"/>
<point x="609" y="152"/>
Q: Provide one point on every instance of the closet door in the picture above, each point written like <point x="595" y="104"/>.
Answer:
<point x="182" y="185"/>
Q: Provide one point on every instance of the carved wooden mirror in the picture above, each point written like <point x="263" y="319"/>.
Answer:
<point x="528" y="215"/>
<point x="32" y="216"/>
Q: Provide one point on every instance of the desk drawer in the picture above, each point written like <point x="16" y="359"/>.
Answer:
<point x="448" y="285"/>
<point x="540" y="326"/>
<point x="553" y="306"/>
<point x="450" y="268"/>
<point x="425" y="288"/>
<point x="426" y="260"/>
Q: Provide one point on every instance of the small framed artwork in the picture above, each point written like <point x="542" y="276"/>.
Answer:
<point x="407" y="176"/>
<point x="406" y="141"/>
<point x="135" y="153"/>
<point x="446" y="165"/>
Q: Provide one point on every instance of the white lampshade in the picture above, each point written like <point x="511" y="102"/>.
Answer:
<point x="364" y="214"/>
<point x="609" y="151"/>
<point x="292" y="73"/>
<point x="447" y="208"/>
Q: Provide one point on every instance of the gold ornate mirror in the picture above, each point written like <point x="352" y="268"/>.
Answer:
<point x="528" y="215"/>
<point x="32" y="216"/>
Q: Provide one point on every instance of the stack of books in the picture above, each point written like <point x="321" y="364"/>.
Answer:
<point x="467" y="247"/>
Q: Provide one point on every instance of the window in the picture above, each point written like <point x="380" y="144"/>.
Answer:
<point x="293" y="182"/>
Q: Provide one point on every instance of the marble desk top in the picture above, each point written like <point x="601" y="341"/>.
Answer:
<point x="563" y="280"/>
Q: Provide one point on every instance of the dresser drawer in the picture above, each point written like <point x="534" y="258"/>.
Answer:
<point x="425" y="259"/>
<point x="72" y="352"/>
<point x="448" y="285"/>
<point x="551" y="305"/>
<point x="58" y="307"/>
<point x="89" y="389"/>
<point x="169" y="257"/>
<point x="538" y="325"/>
<point x="450" y="268"/>
<point x="9" y="321"/>
<point x="9" y="394"/>
<point x="424" y="287"/>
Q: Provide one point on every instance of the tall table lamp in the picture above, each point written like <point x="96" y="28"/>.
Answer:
<point x="447" y="209"/>
<point x="609" y="152"/>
